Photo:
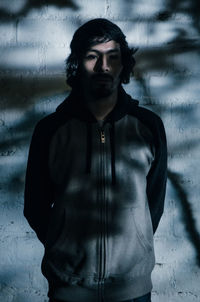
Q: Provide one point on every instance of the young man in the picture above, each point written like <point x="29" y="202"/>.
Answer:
<point x="96" y="177"/>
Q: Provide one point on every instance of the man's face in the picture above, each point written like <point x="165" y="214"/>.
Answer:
<point x="101" y="69"/>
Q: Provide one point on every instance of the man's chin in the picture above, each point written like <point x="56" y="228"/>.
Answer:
<point x="102" y="90"/>
<point x="101" y="93"/>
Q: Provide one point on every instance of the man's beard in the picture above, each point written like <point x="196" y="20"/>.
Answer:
<point x="98" y="92"/>
<point x="100" y="86"/>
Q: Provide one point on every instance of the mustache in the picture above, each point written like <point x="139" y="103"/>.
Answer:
<point x="102" y="76"/>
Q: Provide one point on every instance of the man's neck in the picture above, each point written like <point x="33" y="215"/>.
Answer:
<point x="103" y="106"/>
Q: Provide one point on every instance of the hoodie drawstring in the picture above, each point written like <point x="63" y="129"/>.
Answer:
<point x="89" y="148"/>
<point x="112" y="145"/>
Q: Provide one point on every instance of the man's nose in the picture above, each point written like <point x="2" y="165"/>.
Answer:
<point x="102" y="64"/>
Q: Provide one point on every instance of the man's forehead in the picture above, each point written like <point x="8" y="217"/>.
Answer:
<point x="110" y="45"/>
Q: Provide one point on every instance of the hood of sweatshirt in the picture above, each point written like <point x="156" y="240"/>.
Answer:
<point x="74" y="104"/>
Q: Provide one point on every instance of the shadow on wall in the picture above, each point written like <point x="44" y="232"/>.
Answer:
<point x="24" y="102"/>
<point x="186" y="7"/>
<point x="161" y="59"/>
<point x="187" y="213"/>
<point x="8" y="15"/>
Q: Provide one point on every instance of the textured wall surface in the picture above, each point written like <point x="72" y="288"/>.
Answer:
<point x="34" y="42"/>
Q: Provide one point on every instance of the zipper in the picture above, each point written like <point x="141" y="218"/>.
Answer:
<point x="103" y="138"/>
<point x="103" y="215"/>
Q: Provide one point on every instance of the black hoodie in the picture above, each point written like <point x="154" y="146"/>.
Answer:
<point x="94" y="196"/>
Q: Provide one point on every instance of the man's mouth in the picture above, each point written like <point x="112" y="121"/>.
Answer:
<point x="102" y="78"/>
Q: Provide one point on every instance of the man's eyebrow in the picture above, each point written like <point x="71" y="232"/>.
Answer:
<point x="117" y="50"/>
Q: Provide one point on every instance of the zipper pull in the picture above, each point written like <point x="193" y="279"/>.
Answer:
<point x="103" y="138"/>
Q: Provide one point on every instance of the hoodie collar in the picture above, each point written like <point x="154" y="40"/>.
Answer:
<point x="75" y="106"/>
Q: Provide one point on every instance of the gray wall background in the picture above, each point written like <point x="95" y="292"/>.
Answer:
<point x="34" y="42"/>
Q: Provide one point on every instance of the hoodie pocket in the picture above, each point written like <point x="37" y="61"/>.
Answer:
<point x="144" y="230"/>
<point x="55" y="231"/>
<point x="129" y="250"/>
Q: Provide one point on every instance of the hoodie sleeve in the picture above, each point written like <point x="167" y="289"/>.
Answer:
<point x="157" y="176"/>
<point x="38" y="188"/>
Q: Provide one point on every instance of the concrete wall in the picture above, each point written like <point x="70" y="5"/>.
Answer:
<point x="34" y="42"/>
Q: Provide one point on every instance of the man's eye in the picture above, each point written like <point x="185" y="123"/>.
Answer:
<point x="114" y="57"/>
<point x="90" y="57"/>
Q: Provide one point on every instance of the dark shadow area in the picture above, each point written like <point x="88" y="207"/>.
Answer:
<point x="187" y="7"/>
<point x="6" y="15"/>
<point x="161" y="59"/>
<point x="22" y="92"/>
<point x="187" y="213"/>
<point x="20" y="95"/>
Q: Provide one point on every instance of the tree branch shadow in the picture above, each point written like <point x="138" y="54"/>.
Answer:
<point x="6" y="15"/>
<point x="187" y="213"/>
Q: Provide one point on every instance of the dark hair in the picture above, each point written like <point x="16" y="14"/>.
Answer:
<point x="94" y="32"/>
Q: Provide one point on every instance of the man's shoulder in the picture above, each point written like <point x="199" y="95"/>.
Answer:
<point x="48" y="125"/>
<point x="149" y="119"/>
<point x="54" y="120"/>
<point x="47" y="121"/>
<point x="144" y="114"/>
